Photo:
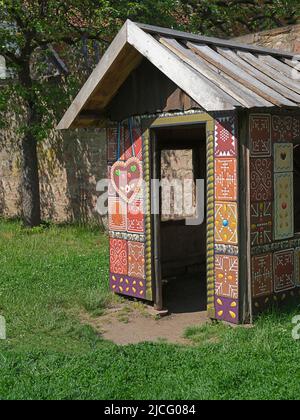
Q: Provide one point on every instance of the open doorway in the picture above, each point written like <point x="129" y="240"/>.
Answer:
<point x="180" y="161"/>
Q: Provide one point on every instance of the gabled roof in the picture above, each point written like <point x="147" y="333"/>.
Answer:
<point x="217" y="74"/>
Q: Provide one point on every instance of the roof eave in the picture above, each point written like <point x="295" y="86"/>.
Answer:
<point x="122" y="57"/>
<point x="78" y="115"/>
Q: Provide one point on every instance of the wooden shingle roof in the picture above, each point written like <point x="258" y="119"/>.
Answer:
<point x="217" y="74"/>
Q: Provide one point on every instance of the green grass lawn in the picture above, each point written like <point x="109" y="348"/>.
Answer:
<point x="48" y="275"/>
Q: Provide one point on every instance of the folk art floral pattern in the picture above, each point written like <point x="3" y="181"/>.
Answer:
<point x="117" y="214"/>
<point x="274" y="274"/>
<point x="284" y="275"/>
<point x="260" y="134"/>
<point x="126" y="211"/>
<point x="226" y="137"/>
<point x="282" y="128"/>
<point x="226" y="275"/>
<point x="284" y="206"/>
<point x="136" y="260"/>
<point x="226" y="179"/>
<point x="227" y="309"/>
<point x="261" y="179"/>
<point x="135" y="216"/>
<point x="129" y="286"/>
<point x="118" y="256"/>
<point x="261" y="223"/>
<point x="226" y="265"/>
<point x="283" y="157"/>
<point x="262" y="279"/>
<point x="226" y="231"/>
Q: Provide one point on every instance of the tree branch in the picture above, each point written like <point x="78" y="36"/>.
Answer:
<point x="9" y="56"/>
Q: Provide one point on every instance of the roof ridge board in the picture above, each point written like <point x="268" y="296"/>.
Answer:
<point x="211" y="40"/>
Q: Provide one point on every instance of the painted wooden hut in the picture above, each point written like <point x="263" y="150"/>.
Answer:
<point x="232" y="112"/>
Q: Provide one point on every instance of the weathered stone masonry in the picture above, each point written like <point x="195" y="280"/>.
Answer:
<point x="71" y="163"/>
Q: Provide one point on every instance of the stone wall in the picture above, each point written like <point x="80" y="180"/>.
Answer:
<point x="71" y="163"/>
<point x="287" y="38"/>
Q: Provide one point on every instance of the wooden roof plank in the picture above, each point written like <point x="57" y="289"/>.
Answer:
<point x="200" y="89"/>
<point x="242" y="88"/>
<point x="254" y="71"/>
<point x="89" y="87"/>
<point x="240" y="75"/>
<point x="242" y="94"/>
<point x="185" y="36"/>
<point x="195" y="61"/>
<point x="276" y="64"/>
<point x="271" y="71"/>
<point x="295" y="64"/>
<point x="213" y="80"/>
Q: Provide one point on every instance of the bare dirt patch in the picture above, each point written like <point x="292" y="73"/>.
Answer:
<point x="133" y="323"/>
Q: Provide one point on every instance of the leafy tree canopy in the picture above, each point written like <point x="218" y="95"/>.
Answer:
<point x="238" y="17"/>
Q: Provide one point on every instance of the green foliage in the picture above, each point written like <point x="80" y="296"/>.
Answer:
<point x="48" y="275"/>
<point x="28" y="31"/>
<point x="238" y="17"/>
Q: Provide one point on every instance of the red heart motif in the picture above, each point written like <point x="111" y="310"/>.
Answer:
<point x="126" y="178"/>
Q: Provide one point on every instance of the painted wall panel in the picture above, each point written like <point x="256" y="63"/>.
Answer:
<point x="260" y="135"/>
<point x="128" y="204"/>
<point x="284" y="206"/>
<point x="283" y="157"/>
<point x="261" y="179"/>
<point x="284" y="271"/>
<point x="274" y="246"/>
<point x="226" y="230"/>
<point x="226" y="179"/>
<point x="226" y="261"/>
<point x="261" y="223"/>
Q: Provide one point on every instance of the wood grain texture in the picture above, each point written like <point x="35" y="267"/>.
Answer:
<point x="239" y="75"/>
<point x="196" y="86"/>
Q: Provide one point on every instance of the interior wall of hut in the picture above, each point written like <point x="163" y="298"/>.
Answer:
<point x="183" y="246"/>
<point x="148" y="91"/>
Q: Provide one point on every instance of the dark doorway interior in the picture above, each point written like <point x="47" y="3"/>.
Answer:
<point x="182" y="160"/>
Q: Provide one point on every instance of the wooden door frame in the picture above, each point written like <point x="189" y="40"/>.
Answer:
<point x="171" y="122"/>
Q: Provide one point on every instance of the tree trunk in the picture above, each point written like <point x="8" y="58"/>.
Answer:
<point x="30" y="184"/>
<point x="31" y="207"/>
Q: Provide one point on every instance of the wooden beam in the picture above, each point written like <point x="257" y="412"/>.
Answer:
<point x="294" y="64"/>
<point x="256" y="71"/>
<point x="219" y="80"/>
<point x="264" y="67"/>
<point x="200" y="89"/>
<point x="245" y="292"/>
<point x="240" y="75"/>
<point x="112" y="68"/>
<point x="185" y="36"/>
<point x="277" y="65"/>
